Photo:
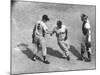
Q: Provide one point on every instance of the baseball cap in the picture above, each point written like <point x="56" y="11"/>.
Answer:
<point x="45" y="17"/>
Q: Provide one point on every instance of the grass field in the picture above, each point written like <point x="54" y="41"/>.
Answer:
<point x="26" y="14"/>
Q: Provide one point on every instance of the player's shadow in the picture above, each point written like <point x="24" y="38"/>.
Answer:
<point x="55" y="53"/>
<point x="28" y="52"/>
<point x="75" y="52"/>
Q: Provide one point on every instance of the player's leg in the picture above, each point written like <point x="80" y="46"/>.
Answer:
<point x="65" y="48"/>
<point x="44" y="50"/>
<point x="66" y="45"/>
<point x="35" y="48"/>
<point x="34" y="51"/>
<point x="89" y="52"/>
<point x="82" y="50"/>
<point x="83" y="47"/>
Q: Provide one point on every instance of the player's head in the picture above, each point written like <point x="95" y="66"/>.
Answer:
<point x="84" y="17"/>
<point x="45" y="18"/>
<point x="59" y="24"/>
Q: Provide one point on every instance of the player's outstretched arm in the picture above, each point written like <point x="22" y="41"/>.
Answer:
<point x="52" y="32"/>
<point x="48" y="32"/>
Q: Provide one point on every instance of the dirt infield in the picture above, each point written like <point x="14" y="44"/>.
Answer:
<point x="25" y="15"/>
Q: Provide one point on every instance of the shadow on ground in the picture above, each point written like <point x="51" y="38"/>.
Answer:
<point x="28" y="52"/>
<point x="56" y="53"/>
<point x="75" y="52"/>
<point x="50" y="51"/>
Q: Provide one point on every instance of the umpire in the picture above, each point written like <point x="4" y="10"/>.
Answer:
<point x="86" y="44"/>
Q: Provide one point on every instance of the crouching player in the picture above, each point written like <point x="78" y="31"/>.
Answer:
<point x="61" y="34"/>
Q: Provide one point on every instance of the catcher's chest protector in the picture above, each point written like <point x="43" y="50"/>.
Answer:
<point x="84" y="29"/>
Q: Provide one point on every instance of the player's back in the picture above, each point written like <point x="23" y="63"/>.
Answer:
<point x="40" y="28"/>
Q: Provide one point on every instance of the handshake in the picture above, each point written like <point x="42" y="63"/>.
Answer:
<point x="50" y="32"/>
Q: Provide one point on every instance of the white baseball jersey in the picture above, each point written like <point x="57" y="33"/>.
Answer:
<point x="60" y="33"/>
<point x="87" y="26"/>
<point x="40" y="27"/>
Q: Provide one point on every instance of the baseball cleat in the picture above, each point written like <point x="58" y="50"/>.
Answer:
<point x="88" y="60"/>
<point x="68" y="58"/>
<point x="81" y="59"/>
<point x="46" y="62"/>
<point x="34" y="58"/>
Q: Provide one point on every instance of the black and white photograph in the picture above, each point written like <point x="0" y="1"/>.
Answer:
<point x="52" y="37"/>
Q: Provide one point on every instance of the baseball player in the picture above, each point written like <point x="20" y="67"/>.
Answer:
<point x="61" y="34"/>
<point x="38" y="37"/>
<point x="86" y="44"/>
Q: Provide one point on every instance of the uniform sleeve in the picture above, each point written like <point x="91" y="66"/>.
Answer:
<point x="87" y="25"/>
<point x="45" y="28"/>
<point x="89" y="31"/>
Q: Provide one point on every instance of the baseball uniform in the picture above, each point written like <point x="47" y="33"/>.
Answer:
<point x="39" y="37"/>
<point x="86" y="39"/>
<point x="61" y="34"/>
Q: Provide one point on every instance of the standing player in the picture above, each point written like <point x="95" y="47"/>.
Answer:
<point x="38" y="37"/>
<point x="86" y="45"/>
<point x="61" y="34"/>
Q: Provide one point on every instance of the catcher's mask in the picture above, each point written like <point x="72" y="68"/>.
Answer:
<point x="84" y="17"/>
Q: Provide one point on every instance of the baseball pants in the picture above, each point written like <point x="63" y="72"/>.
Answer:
<point x="86" y="46"/>
<point x="64" y="46"/>
<point x="40" y="43"/>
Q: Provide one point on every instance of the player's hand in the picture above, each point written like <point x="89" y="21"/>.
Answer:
<point x="50" y="34"/>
